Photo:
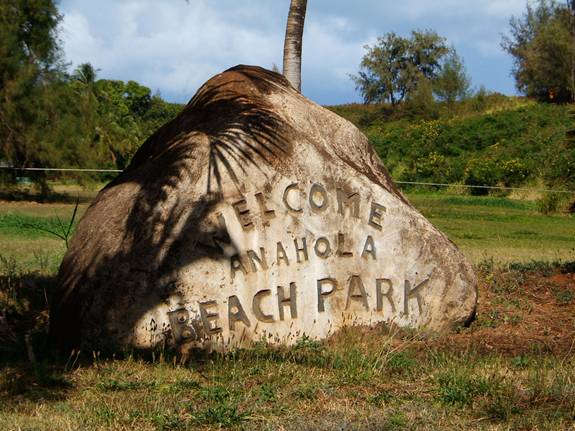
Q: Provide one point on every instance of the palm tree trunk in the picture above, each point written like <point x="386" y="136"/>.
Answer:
<point x="293" y="42"/>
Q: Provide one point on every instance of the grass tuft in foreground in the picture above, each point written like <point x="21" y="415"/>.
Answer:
<point x="512" y="369"/>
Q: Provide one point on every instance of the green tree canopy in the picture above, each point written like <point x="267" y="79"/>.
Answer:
<point x="392" y="68"/>
<point x="542" y="45"/>
<point x="29" y="66"/>
<point x="118" y="115"/>
<point x="452" y="82"/>
<point x="51" y="119"/>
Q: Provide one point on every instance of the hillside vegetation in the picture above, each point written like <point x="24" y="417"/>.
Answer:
<point x="486" y="140"/>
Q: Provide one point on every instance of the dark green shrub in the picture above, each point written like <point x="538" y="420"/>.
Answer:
<point x="432" y="167"/>
<point x="481" y="172"/>
<point x="509" y="142"/>
<point x="514" y="172"/>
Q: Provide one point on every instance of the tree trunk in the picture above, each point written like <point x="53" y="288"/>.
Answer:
<point x="293" y="42"/>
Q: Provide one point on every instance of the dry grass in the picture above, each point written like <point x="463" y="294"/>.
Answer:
<point x="514" y="368"/>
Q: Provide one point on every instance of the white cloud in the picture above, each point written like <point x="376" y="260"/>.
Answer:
<point x="505" y="8"/>
<point x="79" y="43"/>
<point x="181" y="48"/>
<point x="440" y="9"/>
<point x="175" y="46"/>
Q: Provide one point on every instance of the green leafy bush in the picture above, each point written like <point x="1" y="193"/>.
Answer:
<point x="489" y="139"/>
<point x="514" y="172"/>
<point x="481" y="172"/>
<point x="432" y="167"/>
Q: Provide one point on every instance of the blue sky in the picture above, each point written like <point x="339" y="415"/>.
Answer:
<point x="174" y="46"/>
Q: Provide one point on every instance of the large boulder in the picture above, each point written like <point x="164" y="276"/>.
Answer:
<point x="255" y="214"/>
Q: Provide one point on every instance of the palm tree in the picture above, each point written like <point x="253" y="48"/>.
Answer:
<point x="293" y="42"/>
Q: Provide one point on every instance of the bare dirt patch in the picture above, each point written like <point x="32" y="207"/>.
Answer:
<point x="521" y="313"/>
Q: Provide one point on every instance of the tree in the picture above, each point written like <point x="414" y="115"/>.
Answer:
<point x="85" y="76"/>
<point x="49" y="118"/>
<point x="29" y="65"/>
<point x="543" y="46"/>
<point x="293" y="43"/>
<point x="420" y="102"/>
<point x="392" y="68"/>
<point x="114" y="113"/>
<point x="29" y="55"/>
<point x="452" y="82"/>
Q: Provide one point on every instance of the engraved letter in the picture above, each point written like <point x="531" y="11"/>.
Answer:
<point x="281" y="254"/>
<point x="236" y="316"/>
<point x="369" y="248"/>
<point x="208" y="317"/>
<point x="291" y="301"/>
<point x="341" y="246"/>
<point x="261" y="259"/>
<point x="355" y="283"/>
<point x="322" y="247"/>
<point x="237" y="265"/>
<point x="375" y="215"/>
<point x="321" y="294"/>
<point x="318" y="191"/>
<point x="301" y="250"/>
<point x="286" y="201"/>
<point x="242" y="214"/>
<point x="379" y="294"/>
<point x="409" y="293"/>
<point x="256" y="306"/>
<point x="343" y="199"/>
<point x="267" y="214"/>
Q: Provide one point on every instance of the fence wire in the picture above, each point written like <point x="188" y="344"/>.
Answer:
<point x="415" y="183"/>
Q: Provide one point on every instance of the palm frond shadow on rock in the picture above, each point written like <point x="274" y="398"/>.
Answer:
<point x="253" y="134"/>
<point x="242" y="130"/>
<point x="165" y="229"/>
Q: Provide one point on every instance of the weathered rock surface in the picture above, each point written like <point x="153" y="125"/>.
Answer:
<point x="254" y="214"/>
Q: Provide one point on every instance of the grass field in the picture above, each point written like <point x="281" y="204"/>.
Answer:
<point x="514" y="368"/>
<point x="25" y="236"/>
<point x="485" y="228"/>
<point x="501" y="229"/>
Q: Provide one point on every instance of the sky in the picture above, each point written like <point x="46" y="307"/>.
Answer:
<point x="174" y="46"/>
